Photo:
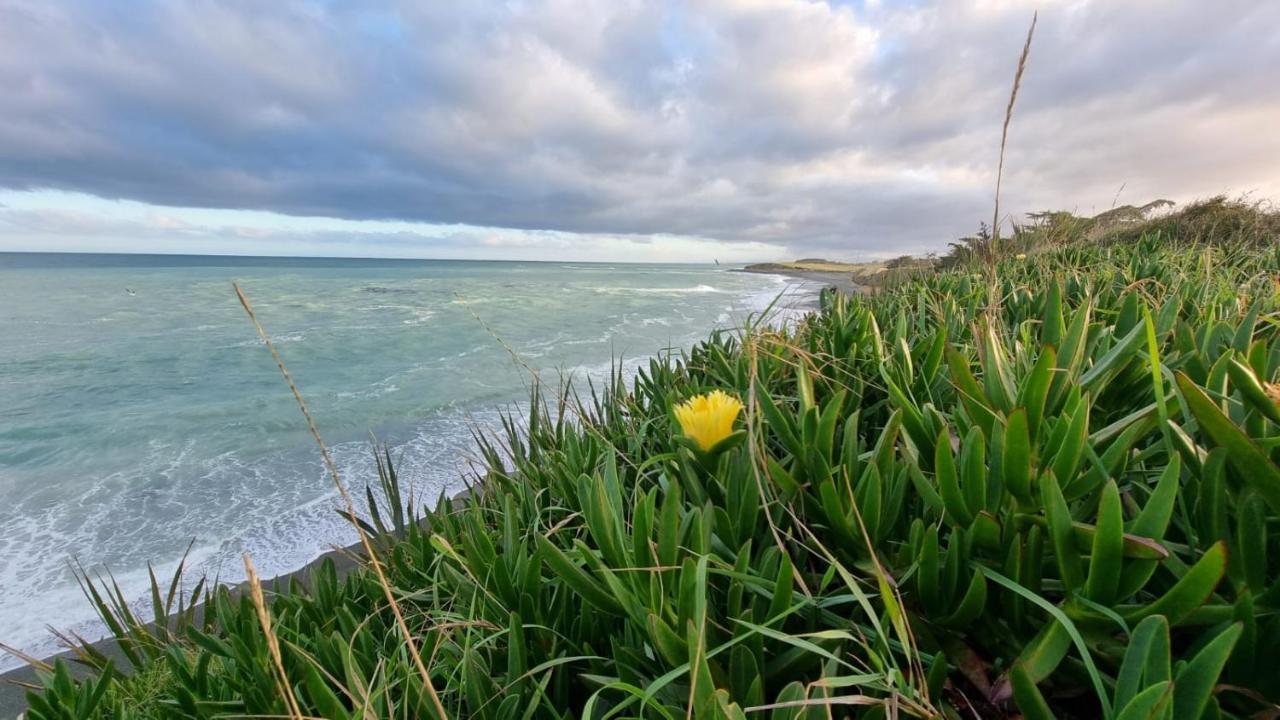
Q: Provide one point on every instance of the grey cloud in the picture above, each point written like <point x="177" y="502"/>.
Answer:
<point x="826" y="129"/>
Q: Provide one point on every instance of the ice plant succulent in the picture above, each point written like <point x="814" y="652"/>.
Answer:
<point x="708" y="419"/>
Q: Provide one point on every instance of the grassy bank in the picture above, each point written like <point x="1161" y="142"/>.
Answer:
<point x="814" y="265"/>
<point x="864" y="275"/>
<point x="1046" y="487"/>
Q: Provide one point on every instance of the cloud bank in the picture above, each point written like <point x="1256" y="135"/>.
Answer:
<point x="762" y="127"/>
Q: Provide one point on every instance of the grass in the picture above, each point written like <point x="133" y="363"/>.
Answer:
<point x="1051" y="490"/>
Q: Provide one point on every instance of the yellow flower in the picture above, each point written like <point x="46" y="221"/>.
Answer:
<point x="1021" y="256"/>
<point x="708" y="419"/>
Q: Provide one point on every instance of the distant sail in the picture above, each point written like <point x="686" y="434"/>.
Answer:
<point x="717" y="262"/>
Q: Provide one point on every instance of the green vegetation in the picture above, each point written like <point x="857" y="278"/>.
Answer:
<point x="1048" y="487"/>
<point x="1218" y="220"/>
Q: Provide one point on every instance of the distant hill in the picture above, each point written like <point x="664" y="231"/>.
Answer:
<point x="813" y="265"/>
<point x="841" y="274"/>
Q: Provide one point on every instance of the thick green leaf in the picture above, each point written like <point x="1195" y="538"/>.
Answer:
<point x="1244" y="380"/>
<point x="1016" y="463"/>
<point x="1103" y="371"/>
<point x="972" y="604"/>
<point x="1244" y="455"/>
<point x="1158" y="509"/>
<point x="1035" y="389"/>
<point x="1061" y="533"/>
<point x="1153" y="703"/>
<point x="1105" y="562"/>
<point x="577" y="579"/>
<point x="1027" y="695"/>
<point x="1193" y="687"/>
<point x="944" y="468"/>
<point x="1191" y="591"/>
<point x="1251" y="541"/>
<point x="1146" y="659"/>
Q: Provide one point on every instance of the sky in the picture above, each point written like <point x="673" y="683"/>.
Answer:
<point x="735" y="130"/>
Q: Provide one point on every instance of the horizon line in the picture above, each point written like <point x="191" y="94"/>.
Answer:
<point x="367" y="257"/>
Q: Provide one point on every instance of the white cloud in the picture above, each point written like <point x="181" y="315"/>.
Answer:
<point x="75" y="222"/>
<point x="770" y="126"/>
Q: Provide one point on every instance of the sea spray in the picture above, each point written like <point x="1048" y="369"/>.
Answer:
<point x="138" y="422"/>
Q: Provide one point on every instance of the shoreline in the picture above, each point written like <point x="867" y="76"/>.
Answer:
<point x="13" y="700"/>
<point x="13" y="693"/>
<point x="842" y="281"/>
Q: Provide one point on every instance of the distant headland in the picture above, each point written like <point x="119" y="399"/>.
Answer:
<point x="848" y="277"/>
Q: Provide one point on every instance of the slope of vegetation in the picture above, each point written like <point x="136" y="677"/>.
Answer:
<point x="1218" y="220"/>
<point x="1048" y="488"/>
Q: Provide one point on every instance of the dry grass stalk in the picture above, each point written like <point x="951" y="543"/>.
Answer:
<point x="350" y="508"/>
<point x="1004" y="134"/>
<point x="31" y="660"/>
<point x="273" y="644"/>
<point x="759" y="463"/>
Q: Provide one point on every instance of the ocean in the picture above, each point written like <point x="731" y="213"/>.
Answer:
<point x="140" y="413"/>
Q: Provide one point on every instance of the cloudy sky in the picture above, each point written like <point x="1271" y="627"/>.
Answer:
<point x="612" y="129"/>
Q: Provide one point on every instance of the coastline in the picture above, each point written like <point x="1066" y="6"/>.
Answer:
<point x="13" y="700"/>
<point x="12" y="689"/>
<point x="842" y="281"/>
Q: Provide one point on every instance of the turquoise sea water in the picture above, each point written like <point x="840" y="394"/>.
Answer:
<point x="139" y="411"/>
